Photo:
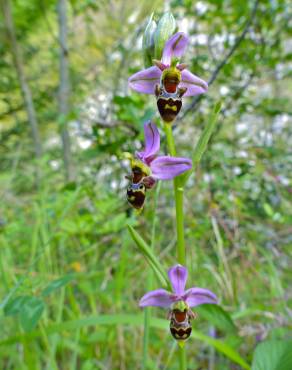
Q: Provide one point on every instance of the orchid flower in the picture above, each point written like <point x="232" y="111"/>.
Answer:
<point x="147" y="167"/>
<point x="191" y="297"/>
<point x="179" y="302"/>
<point x="168" y="73"/>
<point x="153" y="166"/>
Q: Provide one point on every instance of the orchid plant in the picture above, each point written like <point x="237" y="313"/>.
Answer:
<point x="169" y="80"/>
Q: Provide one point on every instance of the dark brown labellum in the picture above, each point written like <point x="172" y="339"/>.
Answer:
<point x="169" y="104"/>
<point x="181" y="333"/>
<point x="136" y="194"/>
<point x="180" y="324"/>
<point x="136" y="191"/>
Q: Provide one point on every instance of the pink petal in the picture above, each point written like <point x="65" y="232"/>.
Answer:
<point x="152" y="142"/>
<point x="196" y="296"/>
<point x="166" y="168"/>
<point x="194" y="84"/>
<point x="159" y="297"/>
<point x="178" y="275"/>
<point x="174" y="47"/>
<point x="144" y="81"/>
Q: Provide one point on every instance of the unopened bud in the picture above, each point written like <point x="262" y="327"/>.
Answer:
<point x="148" y="42"/>
<point x="165" y="29"/>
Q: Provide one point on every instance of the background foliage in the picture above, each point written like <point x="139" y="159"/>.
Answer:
<point x="71" y="276"/>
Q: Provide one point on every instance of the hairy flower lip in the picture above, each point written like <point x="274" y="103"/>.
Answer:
<point x="145" y="80"/>
<point x="191" y="297"/>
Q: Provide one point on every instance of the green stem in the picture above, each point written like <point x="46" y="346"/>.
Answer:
<point x="182" y="358"/>
<point x="179" y="197"/>
<point x="147" y="310"/>
<point x="179" y="210"/>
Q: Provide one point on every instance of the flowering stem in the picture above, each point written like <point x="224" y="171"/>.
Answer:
<point x="180" y="244"/>
<point x="179" y="195"/>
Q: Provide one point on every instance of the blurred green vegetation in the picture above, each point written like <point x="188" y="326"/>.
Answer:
<point x="71" y="275"/>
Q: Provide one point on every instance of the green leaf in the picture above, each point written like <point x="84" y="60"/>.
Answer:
<point x="31" y="313"/>
<point x="223" y="348"/>
<point x="150" y="257"/>
<point x="13" y="306"/>
<point x="206" y="135"/>
<point x="57" y="284"/>
<point x="273" y="355"/>
<point x="203" y="141"/>
<point x="215" y="315"/>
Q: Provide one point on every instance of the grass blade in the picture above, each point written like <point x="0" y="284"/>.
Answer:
<point x="203" y="142"/>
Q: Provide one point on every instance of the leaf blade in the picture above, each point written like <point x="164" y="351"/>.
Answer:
<point x="31" y="313"/>
<point x="57" y="284"/>
<point x="150" y="257"/>
<point x="273" y="355"/>
<point x="202" y="142"/>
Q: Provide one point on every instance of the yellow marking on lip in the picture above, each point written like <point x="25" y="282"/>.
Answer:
<point x="171" y="107"/>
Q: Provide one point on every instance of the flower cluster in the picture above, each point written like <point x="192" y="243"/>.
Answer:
<point x="169" y="80"/>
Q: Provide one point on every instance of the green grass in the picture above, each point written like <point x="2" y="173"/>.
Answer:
<point x="91" y="318"/>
